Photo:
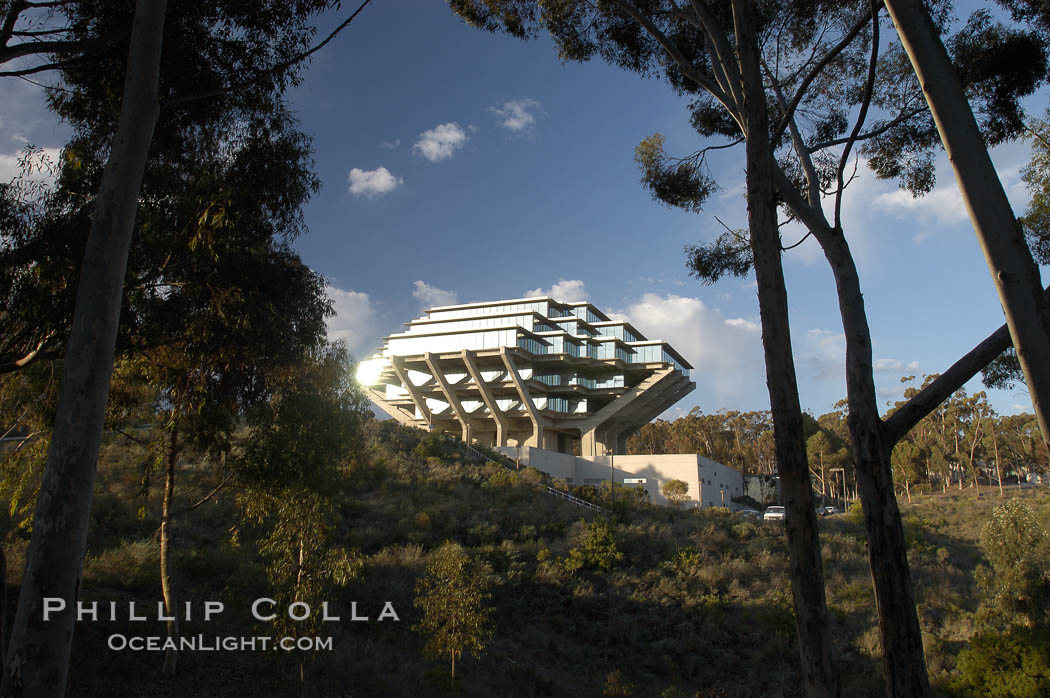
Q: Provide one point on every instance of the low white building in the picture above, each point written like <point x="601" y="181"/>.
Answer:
<point x="710" y="484"/>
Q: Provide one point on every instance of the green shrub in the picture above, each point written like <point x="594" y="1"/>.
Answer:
<point x="855" y="513"/>
<point x="501" y="478"/>
<point x="585" y="492"/>
<point x="430" y="446"/>
<point x="1015" y="664"/>
<point x="533" y="476"/>
<point x="745" y="530"/>
<point x="595" y="549"/>
<point x="135" y="566"/>
<point x="1017" y="587"/>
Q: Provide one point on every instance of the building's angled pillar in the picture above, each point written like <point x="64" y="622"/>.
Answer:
<point x="393" y="410"/>
<point x="649" y="405"/>
<point x="450" y="396"/>
<point x="418" y="400"/>
<point x="536" y="440"/>
<point x="593" y="430"/>
<point x="502" y="425"/>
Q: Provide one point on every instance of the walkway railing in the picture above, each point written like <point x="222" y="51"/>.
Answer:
<point x="484" y="458"/>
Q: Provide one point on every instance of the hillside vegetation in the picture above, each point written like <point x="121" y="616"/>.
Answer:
<point x="654" y="602"/>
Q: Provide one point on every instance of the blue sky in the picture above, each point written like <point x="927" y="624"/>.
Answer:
<point x="463" y="166"/>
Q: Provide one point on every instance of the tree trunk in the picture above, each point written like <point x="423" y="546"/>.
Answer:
<point x="998" y="468"/>
<point x="903" y="661"/>
<point x="819" y="674"/>
<point x="166" y="590"/>
<point x="973" y="463"/>
<point x="1010" y="262"/>
<point x="38" y="660"/>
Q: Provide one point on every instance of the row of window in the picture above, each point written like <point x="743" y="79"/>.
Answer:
<point x="556" y="379"/>
<point x="620" y="332"/>
<point x="532" y="306"/>
<point x="480" y="323"/>
<point x="533" y="346"/>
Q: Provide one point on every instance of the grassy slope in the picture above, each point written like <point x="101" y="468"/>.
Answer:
<point x="699" y="602"/>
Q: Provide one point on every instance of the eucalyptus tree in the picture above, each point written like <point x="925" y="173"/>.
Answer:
<point x="696" y="54"/>
<point x="1006" y="370"/>
<point x="303" y="438"/>
<point x="219" y="58"/>
<point x="1009" y="259"/>
<point x="822" y="63"/>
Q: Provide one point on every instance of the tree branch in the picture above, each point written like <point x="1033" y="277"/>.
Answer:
<point x="1038" y="136"/>
<point x="724" y="57"/>
<point x="35" y="48"/>
<point x="870" y="134"/>
<point x="10" y="21"/>
<point x="205" y="498"/>
<point x="812" y="75"/>
<point x="29" y="358"/>
<point x="926" y="400"/>
<point x="672" y="51"/>
<point x="15" y="424"/>
<point x="141" y="442"/>
<point x="869" y="87"/>
<point x="43" y="32"/>
<point x="812" y="178"/>
<point x="267" y="72"/>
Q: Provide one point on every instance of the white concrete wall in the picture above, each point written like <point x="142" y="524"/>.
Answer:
<point x="719" y="484"/>
<point x="710" y="483"/>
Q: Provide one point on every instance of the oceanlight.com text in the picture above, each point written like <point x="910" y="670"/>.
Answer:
<point x="215" y="643"/>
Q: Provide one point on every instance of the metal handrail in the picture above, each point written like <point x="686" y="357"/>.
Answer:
<point x="550" y="490"/>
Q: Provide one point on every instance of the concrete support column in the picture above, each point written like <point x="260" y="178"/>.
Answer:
<point x="418" y="400"/>
<point x="536" y="440"/>
<point x="502" y="426"/>
<point x="589" y="443"/>
<point x="450" y="396"/>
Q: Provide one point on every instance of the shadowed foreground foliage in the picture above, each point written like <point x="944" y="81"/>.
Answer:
<point x="658" y="602"/>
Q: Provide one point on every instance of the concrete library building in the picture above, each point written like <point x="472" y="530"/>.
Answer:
<point x="557" y="386"/>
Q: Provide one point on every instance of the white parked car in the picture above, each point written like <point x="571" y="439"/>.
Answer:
<point x="773" y="513"/>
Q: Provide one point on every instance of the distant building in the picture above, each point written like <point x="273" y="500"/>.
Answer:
<point x="527" y="372"/>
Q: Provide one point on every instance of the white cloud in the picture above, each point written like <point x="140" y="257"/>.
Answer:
<point x="942" y="206"/>
<point x="565" y="291"/>
<point x="441" y="142"/>
<point x="432" y="296"/>
<point x="726" y="353"/>
<point x="518" y="115"/>
<point x="825" y="353"/>
<point x="390" y="145"/>
<point x="890" y="365"/>
<point x="373" y="183"/>
<point x="355" y="321"/>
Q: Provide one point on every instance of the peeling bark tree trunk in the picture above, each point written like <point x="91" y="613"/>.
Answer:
<point x="38" y="661"/>
<point x="1009" y="260"/>
<point x="166" y="590"/>
<point x="819" y="675"/>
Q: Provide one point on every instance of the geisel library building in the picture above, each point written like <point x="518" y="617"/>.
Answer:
<point x="540" y="380"/>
